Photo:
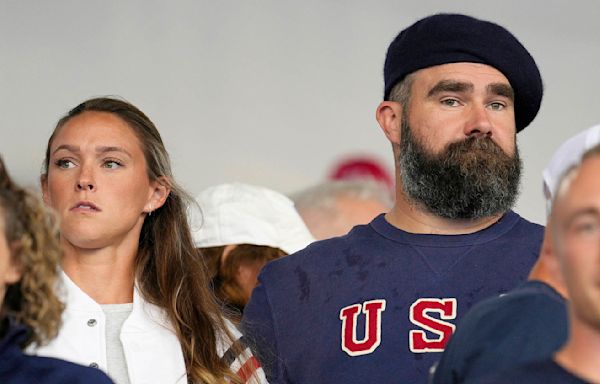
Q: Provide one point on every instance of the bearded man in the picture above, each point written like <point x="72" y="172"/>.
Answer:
<point x="379" y="304"/>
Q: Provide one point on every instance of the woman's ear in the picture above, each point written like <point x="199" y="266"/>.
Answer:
<point x="159" y="193"/>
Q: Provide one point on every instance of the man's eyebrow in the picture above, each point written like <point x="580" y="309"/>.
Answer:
<point x="501" y="89"/>
<point x="104" y="149"/>
<point x="72" y="148"/>
<point x="450" y="86"/>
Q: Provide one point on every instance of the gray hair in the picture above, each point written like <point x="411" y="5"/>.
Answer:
<point x="401" y="92"/>
<point x="323" y="196"/>
<point x="567" y="176"/>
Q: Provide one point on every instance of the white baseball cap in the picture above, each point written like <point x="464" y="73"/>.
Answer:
<point x="566" y="156"/>
<point x="239" y="213"/>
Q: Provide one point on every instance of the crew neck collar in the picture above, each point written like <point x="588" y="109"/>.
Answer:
<point x="387" y="230"/>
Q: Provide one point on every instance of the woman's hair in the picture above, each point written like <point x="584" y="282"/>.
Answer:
<point x="168" y="272"/>
<point x="223" y="270"/>
<point x="31" y="232"/>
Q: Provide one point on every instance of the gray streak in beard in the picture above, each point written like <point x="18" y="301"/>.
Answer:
<point x="470" y="179"/>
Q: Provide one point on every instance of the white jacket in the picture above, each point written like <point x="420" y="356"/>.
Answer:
<point x="151" y="348"/>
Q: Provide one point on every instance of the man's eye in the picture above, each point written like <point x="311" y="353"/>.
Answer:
<point x="450" y="102"/>
<point x="497" y="106"/>
<point x="64" y="163"/>
<point x="587" y="227"/>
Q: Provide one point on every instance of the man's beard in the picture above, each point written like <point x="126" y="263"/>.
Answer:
<point x="470" y="179"/>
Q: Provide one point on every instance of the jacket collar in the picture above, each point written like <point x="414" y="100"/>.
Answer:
<point x="144" y="315"/>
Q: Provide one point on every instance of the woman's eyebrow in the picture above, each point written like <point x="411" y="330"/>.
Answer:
<point x="104" y="149"/>
<point x="71" y="148"/>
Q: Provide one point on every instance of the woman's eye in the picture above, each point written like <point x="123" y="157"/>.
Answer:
<point x="64" y="163"/>
<point x="111" y="164"/>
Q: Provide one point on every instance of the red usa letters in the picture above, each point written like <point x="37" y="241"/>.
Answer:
<point x="420" y="314"/>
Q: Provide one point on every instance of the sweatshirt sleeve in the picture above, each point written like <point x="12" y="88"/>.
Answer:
<point x="259" y="329"/>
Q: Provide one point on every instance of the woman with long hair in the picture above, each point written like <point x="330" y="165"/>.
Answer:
<point x="30" y="310"/>
<point x="138" y="301"/>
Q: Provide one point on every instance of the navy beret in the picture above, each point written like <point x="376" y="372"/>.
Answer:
<point x="453" y="38"/>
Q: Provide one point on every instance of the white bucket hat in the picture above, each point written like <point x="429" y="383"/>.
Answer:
<point x="244" y="214"/>
<point x="566" y="156"/>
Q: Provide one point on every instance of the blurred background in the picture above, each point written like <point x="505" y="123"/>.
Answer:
<point x="273" y="93"/>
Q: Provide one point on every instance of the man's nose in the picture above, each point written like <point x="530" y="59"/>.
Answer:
<point x="478" y="123"/>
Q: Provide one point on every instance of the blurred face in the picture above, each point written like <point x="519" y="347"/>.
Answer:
<point x="246" y="274"/>
<point x="246" y="270"/>
<point x="97" y="181"/>
<point x="349" y="212"/>
<point x="9" y="271"/>
<point x="576" y="227"/>
<point x="247" y="278"/>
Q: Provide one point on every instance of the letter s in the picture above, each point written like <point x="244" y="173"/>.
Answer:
<point x="418" y="341"/>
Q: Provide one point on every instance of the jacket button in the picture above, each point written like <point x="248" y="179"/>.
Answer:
<point x="91" y="322"/>
<point x="94" y="365"/>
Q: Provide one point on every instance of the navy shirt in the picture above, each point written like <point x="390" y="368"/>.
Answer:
<point x="18" y="368"/>
<point x="527" y="324"/>
<point x="379" y="304"/>
<point x="544" y="372"/>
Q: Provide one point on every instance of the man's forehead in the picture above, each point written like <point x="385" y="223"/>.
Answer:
<point x="471" y="73"/>
<point x="580" y="187"/>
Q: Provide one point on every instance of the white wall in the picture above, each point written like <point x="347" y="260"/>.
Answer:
<point x="269" y="92"/>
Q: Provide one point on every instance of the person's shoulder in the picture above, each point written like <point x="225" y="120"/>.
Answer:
<point x="313" y="253"/>
<point x="526" y="298"/>
<point x="54" y="370"/>
<point x="532" y="291"/>
<point x="522" y="224"/>
<point x="537" y="372"/>
<point x="521" y="239"/>
<point x="529" y="292"/>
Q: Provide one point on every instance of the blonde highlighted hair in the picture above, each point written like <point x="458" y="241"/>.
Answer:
<point x="31" y="232"/>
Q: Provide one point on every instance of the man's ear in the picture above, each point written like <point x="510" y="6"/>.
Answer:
<point x="549" y="255"/>
<point x="160" y="190"/>
<point x="389" y="117"/>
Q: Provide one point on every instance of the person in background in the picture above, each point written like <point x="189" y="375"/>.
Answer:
<point x="238" y="229"/>
<point x="30" y="310"/>
<point x="575" y="222"/>
<point x="530" y="319"/>
<point x="333" y="208"/>
<point x="138" y="303"/>
<point x="362" y="167"/>
<point x="379" y="304"/>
